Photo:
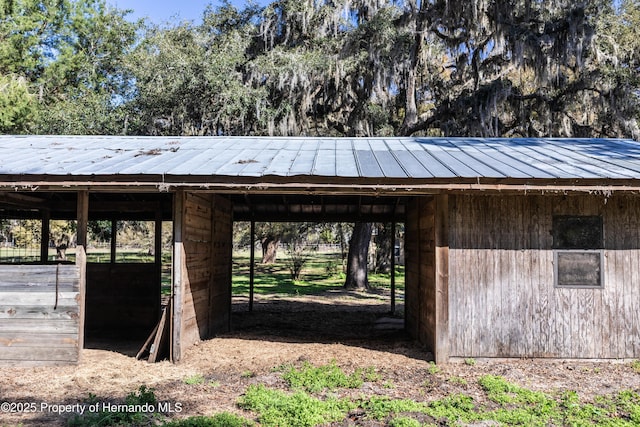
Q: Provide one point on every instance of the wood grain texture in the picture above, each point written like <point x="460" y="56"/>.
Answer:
<point x="427" y="272"/>
<point x="502" y="298"/>
<point x="39" y="322"/>
<point x="205" y="275"/>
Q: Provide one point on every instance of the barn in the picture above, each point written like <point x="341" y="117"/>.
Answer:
<point x="514" y="247"/>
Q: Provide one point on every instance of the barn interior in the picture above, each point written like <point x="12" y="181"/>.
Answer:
<point x="330" y="318"/>
<point x="124" y="297"/>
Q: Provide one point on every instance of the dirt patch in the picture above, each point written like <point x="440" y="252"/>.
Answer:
<point x="352" y="329"/>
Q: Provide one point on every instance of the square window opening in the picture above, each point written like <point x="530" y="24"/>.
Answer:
<point x="578" y="243"/>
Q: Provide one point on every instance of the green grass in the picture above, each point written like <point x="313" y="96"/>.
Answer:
<point x="312" y="398"/>
<point x="322" y="272"/>
<point x="299" y="409"/>
<point x="142" y="396"/>
<point x="223" y="419"/>
<point x="503" y="403"/>
<point x="194" y="379"/>
<point x="328" y="377"/>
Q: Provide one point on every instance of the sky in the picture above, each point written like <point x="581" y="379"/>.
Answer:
<point x="162" y="11"/>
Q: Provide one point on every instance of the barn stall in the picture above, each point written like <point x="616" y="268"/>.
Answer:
<point x="514" y="247"/>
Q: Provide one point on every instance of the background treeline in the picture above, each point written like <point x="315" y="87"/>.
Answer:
<point x="322" y="67"/>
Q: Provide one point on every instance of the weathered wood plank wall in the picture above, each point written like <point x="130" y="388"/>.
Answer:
<point x="39" y="314"/>
<point x="221" y="251"/>
<point x="123" y="298"/>
<point x="502" y="298"/>
<point x="426" y="274"/>
<point x="205" y="281"/>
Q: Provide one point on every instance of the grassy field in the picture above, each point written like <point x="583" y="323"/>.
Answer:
<point x="321" y="272"/>
<point x="32" y="255"/>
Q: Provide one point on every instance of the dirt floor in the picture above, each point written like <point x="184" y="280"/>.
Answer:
<point x="352" y="329"/>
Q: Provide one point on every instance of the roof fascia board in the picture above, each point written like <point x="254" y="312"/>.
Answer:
<point x="361" y="187"/>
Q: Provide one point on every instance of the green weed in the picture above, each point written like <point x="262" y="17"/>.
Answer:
<point x="380" y="407"/>
<point x="433" y="368"/>
<point x="144" y="396"/>
<point x="457" y="380"/>
<point x="635" y="365"/>
<point x="502" y="392"/>
<point x="456" y="408"/>
<point x="276" y="408"/>
<point x="194" y="379"/>
<point x="223" y="419"/>
<point x="404" y="422"/>
<point x="510" y="405"/>
<point x="330" y="377"/>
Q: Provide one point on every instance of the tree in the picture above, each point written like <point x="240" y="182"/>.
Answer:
<point x="516" y="68"/>
<point x="357" y="277"/>
<point x="17" y="106"/>
<point x="191" y="79"/>
<point x="67" y="54"/>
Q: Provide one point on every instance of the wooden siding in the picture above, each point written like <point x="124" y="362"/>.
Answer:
<point x="122" y="298"/>
<point x="426" y="274"/>
<point x="502" y="298"/>
<point x="39" y="314"/>
<point x="204" y="294"/>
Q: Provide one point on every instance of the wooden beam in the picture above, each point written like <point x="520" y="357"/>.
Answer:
<point x="81" y="260"/>
<point x="441" y="344"/>
<point x="393" y="267"/>
<point x="114" y="239"/>
<point x="158" y="259"/>
<point x="177" y="275"/>
<point x="44" y="236"/>
<point x="23" y="201"/>
<point x="252" y="263"/>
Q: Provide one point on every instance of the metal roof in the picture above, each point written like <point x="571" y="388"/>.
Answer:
<point x="369" y="158"/>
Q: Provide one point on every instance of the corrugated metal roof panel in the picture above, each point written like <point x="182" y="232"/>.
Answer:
<point x="389" y="164"/>
<point x="367" y="164"/>
<point x="346" y="164"/>
<point x="325" y="161"/>
<point x="378" y="158"/>
<point x="414" y="168"/>
<point x="303" y="163"/>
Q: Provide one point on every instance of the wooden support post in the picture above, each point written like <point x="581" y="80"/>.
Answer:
<point x="441" y="344"/>
<point x="81" y="259"/>
<point x="114" y="233"/>
<point x="44" y="240"/>
<point x="177" y="273"/>
<point x="252" y="255"/>
<point x="393" y="267"/>
<point x="157" y="252"/>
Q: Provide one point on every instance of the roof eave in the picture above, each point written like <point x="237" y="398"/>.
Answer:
<point x="314" y="184"/>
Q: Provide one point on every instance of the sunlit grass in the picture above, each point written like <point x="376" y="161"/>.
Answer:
<point x="322" y="272"/>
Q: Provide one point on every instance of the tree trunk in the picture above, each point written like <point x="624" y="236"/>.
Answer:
<point x="384" y="251"/>
<point x="357" y="258"/>
<point x="269" y="249"/>
<point x="410" y="85"/>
